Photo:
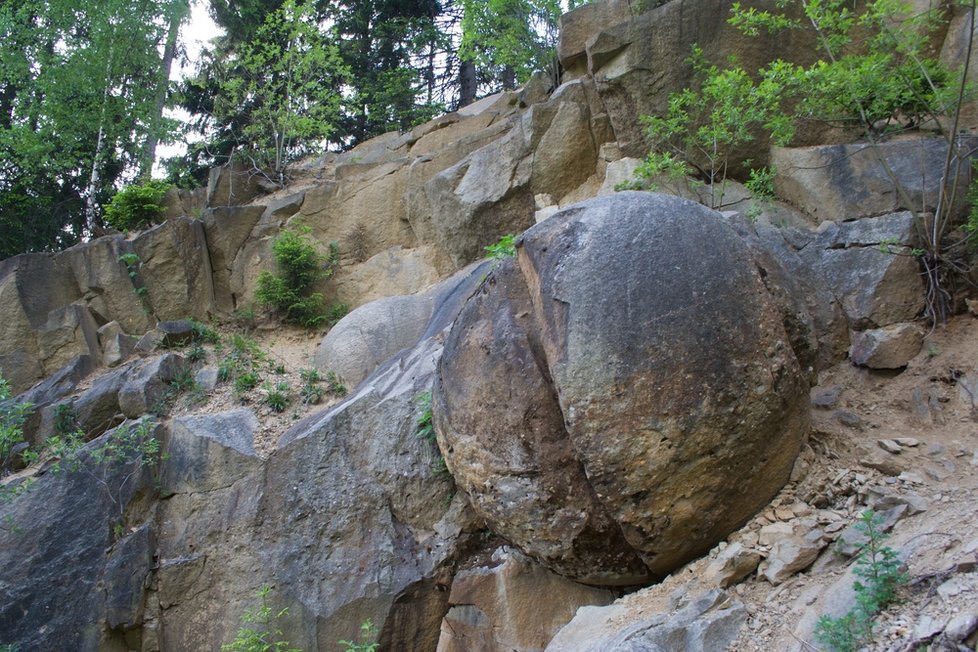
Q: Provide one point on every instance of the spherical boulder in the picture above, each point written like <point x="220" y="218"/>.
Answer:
<point x="622" y="394"/>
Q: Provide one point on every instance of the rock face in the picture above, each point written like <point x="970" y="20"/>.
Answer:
<point x="81" y="586"/>
<point x="844" y="182"/>
<point x="510" y="604"/>
<point x="631" y="366"/>
<point x="347" y="520"/>
<point x="628" y="59"/>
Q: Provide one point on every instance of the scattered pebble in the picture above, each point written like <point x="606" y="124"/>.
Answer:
<point x="890" y="446"/>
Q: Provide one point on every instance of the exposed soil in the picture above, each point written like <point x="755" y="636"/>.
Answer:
<point x="285" y="352"/>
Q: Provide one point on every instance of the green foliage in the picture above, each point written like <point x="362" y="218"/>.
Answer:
<point x="246" y="381"/>
<point x="77" y="107"/>
<point x="137" y="206"/>
<point x="760" y="183"/>
<point x="241" y="364"/>
<point x="286" y="76"/>
<point x="424" y="425"/>
<point x="336" y="385"/>
<point x="509" y="39"/>
<point x="970" y="225"/>
<point x="65" y="420"/>
<point x="202" y="333"/>
<point x="12" y="418"/>
<point x="259" y="631"/>
<point x="879" y="570"/>
<point x="111" y="462"/>
<point x="368" y="636"/>
<point x="196" y="352"/>
<point x="504" y="248"/>
<point x="705" y="128"/>
<point x="132" y="263"/>
<point x="876" y="74"/>
<point x="440" y="468"/>
<point x="289" y="292"/>
<point x="277" y="396"/>
<point x="336" y="312"/>
<point x="311" y="390"/>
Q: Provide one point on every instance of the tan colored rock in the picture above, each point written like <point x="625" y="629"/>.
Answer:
<point x="709" y="622"/>
<point x="178" y="202"/>
<point x="449" y="130"/>
<point x="373" y="201"/>
<point x="566" y="154"/>
<point x="485" y="196"/>
<point x="774" y="532"/>
<point x="392" y="272"/>
<point x="176" y="270"/>
<point x="586" y="350"/>
<point x="232" y="185"/>
<point x="373" y="333"/>
<point x="877" y="282"/>
<point x="787" y="557"/>
<point x="116" y="345"/>
<point x="512" y="605"/>
<point x="891" y="347"/>
<point x="844" y="182"/>
<point x="583" y="23"/>
<point x="953" y="52"/>
<point x="226" y="231"/>
<point x="106" y="286"/>
<point x="69" y="332"/>
<point x="31" y="287"/>
<point x="255" y="257"/>
<point x="734" y="563"/>
<point x="637" y="63"/>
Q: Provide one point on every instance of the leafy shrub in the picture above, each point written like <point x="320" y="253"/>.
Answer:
<point x="706" y="127"/>
<point x="312" y="391"/>
<point x="12" y="418"/>
<point x="137" y="206"/>
<point x="259" y="631"/>
<point x="196" y="352"/>
<point x="118" y="458"/>
<point x="504" y="248"/>
<point x="289" y="293"/>
<point x="879" y="568"/>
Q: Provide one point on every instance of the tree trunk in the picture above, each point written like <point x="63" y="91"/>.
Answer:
<point x="509" y="78"/>
<point x="466" y="83"/>
<point x="180" y="10"/>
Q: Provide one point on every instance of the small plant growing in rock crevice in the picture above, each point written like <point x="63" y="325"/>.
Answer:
<point x="426" y="429"/>
<point x="132" y="263"/>
<point x="368" y="635"/>
<point x="259" y="631"/>
<point x="504" y="248"/>
<point x="879" y="570"/>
